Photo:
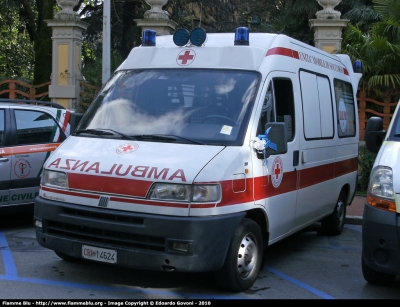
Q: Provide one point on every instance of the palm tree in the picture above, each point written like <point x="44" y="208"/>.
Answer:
<point x="362" y="14"/>
<point x="389" y="12"/>
<point x="378" y="49"/>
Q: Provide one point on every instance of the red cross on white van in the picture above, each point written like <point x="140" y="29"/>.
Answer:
<point x="277" y="172"/>
<point x="185" y="57"/>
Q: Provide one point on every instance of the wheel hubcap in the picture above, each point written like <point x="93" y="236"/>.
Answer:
<point x="340" y="209"/>
<point x="247" y="256"/>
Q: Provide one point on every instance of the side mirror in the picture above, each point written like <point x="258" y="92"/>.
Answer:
<point x="277" y="136"/>
<point x="374" y="134"/>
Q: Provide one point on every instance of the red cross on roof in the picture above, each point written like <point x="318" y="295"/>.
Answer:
<point x="185" y="57"/>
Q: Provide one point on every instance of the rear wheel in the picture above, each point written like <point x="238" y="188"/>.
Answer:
<point x="333" y="224"/>
<point x="244" y="258"/>
<point x="375" y="277"/>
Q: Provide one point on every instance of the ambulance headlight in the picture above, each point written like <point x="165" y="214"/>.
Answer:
<point x="54" y="179"/>
<point x="167" y="191"/>
<point x="180" y="192"/>
<point x="381" y="182"/>
<point x="206" y="193"/>
<point x="380" y="189"/>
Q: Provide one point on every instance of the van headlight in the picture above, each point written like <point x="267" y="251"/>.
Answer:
<point x="166" y="191"/>
<point x="206" y="193"/>
<point x="380" y="189"/>
<point x="180" y="192"/>
<point x="54" y="179"/>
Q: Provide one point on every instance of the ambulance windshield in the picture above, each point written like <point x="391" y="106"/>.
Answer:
<point x="204" y="106"/>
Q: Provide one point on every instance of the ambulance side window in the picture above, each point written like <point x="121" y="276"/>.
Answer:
<point x="278" y="106"/>
<point x="2" y="122"/>
<point x="268" y="110"/>
<point x="36" y="127"/>
<point x="346" y="119"/>
<point x="317" y="106"/>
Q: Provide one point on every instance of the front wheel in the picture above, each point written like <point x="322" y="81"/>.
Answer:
<point x="244" y="258"/>
<point x="333" y="224"/>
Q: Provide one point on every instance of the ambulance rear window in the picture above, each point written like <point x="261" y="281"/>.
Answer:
<point x="208" y="106"/>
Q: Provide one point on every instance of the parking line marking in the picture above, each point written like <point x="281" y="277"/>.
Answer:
<point x="9" y="265"/>
<point x="300" y="284"/>
<point x="11" y="273"/>
<point x="135" y="290"/>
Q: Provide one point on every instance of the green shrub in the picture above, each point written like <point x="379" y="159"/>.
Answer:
<point x="365" y="162"/>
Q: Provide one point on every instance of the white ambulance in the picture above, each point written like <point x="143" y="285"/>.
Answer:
<point x="200" y="151"/>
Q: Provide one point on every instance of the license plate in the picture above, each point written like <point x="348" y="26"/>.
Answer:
<point x="99" y="254"/>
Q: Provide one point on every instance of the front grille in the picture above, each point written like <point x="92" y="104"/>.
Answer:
<point x="103" y="216"/>
<point x="91" y="235"/>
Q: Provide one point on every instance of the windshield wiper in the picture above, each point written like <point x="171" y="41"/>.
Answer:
<point x="103" y="132"/>
<point x="167" y="137"/>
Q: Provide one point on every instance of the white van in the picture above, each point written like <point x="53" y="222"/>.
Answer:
<point x="202" y="150"/>
<point x="381" y="218"/>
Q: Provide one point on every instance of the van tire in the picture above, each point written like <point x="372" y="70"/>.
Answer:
<point x="66" y="257"/>
<point x="333" y="224"/>
<point x="375" y="277"/>
<point x="238" y="273"/>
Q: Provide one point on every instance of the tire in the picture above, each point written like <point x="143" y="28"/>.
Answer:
<point x="244" y="258"/>
<point x="333" y="224"/>
<point x="66" y="257"/>
<point x="375" y="277"/>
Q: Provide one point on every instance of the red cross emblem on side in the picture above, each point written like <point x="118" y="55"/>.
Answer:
<point x="185" y="57"/>
<point x="277" y="172"/>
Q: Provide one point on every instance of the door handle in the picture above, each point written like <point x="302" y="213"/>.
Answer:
<point x="3" y="159"/>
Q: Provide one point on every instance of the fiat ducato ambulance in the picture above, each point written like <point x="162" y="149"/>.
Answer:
<point x="200" y="151"/>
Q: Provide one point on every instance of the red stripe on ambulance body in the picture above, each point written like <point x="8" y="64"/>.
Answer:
<point x="263" y="188"/>
<point x="69" y="193"/>
<point x="111" y="185"/>
<point x="283" y="51"/>
<point x="346" y="166"/>
<point x="307" y="58"/>
<point x="117" y="199"/>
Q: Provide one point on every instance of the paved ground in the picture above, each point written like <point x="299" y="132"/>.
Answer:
<point x="355" y="211"/>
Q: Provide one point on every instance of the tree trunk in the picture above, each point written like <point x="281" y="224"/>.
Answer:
<point x="43" y="43"/>
<point x="40" y="34"/>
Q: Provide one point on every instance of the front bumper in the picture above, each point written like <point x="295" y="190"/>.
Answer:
<point x="381" y="240"/>
<point x="141" y="240"/>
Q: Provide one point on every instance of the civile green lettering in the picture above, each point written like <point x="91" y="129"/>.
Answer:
<point x="4" y="198"/>
<point x="24" y="196"/>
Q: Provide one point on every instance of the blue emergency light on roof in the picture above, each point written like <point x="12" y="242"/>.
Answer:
<point x="358" y="67"/>
<point x="149" y="38"/>
<point x="198" y="36"/>
<point x="242" y="36"/>
<point x="181" y="37"/>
